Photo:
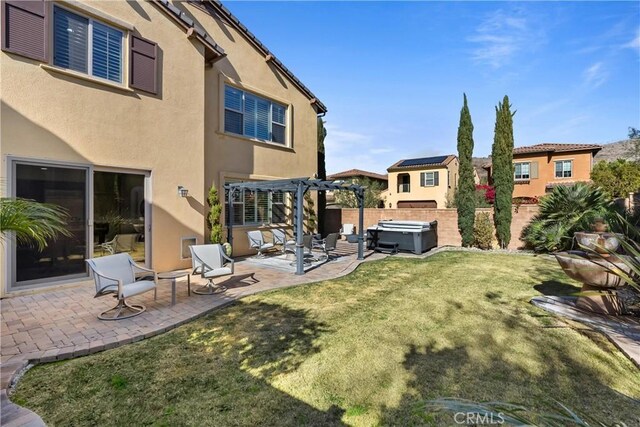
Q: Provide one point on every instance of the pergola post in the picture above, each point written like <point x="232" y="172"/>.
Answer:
<point x="230" y="192"/>
<point x="299" y="224"/>
<point x="360" y="197"/>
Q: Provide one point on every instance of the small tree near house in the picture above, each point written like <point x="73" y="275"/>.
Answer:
<point x="214" y="223"/>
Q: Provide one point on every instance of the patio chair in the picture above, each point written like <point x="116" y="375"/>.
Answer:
<point x="256" y="241"/>
<point x="348" y="230"/>
<point x="280" y="238"/>
<point x="120" y="243"/>
<point x="116" y="274"/>
<point x="330" y="243"/>
<point x="211" y="262"/>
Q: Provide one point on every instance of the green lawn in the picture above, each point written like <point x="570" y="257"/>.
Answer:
<point x="366" y="349"/>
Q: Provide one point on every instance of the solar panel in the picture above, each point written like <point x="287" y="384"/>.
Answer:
<point x="423" y="161"/>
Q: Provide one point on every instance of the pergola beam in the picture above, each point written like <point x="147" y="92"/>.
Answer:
<point x="298" y="187"/>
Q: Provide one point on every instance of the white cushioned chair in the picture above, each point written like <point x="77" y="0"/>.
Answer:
<point x="348" y="230"/>
<point x="210" y="261"/>
<point x="256" y="241"/>
<point x="116" y="275"/>
<point x="280" y="238"/>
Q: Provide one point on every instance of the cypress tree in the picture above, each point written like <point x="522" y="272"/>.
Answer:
<point x="502" y="160"/>
<point x="466" y="193"/>
<point x="322" y="174"/>
<point x="213" y="218"/>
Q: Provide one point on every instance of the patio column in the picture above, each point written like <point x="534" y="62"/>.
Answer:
<point x="298" y="220"/>
<point x="360" y="197"/>
<point x="230" y="196"/>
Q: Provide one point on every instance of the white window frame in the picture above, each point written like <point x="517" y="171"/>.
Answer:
<point x="521" y="177"/>
<point x="270" y="120"/>
<point x="91" y="20"/>
<point x="424" y="177"/>
<point x="564" y="169"/>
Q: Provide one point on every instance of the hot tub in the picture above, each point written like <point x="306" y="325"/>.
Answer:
<point x="411" y="236"/>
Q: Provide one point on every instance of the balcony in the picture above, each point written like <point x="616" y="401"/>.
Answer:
<point x="404" y="188"/>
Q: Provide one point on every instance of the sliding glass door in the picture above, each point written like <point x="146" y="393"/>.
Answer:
<point x="63" y="258"/>
<point x="119" y="214"/>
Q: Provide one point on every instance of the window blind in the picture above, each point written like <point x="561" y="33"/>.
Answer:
<point x="70" y="40"/>
<point x="107" y="52"/>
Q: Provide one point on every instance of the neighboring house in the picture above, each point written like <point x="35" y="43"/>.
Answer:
<point x="109" y="107"/>
<point x="356" y="176"/>
<point x="539" y="168"/>
<point x="422" y="183"/>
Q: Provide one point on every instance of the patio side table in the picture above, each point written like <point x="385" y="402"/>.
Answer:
<point x="174" y="276"/>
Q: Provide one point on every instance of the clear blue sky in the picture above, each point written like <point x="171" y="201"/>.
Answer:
<point x="392" y="74"/>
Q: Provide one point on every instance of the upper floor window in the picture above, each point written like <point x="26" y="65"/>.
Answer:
<point x="522" y="171"/>
<point x="253" y="116"/>
<point x="87" y="46"/>
<point x="564" y="169"/>
<point x="429" y="179"/>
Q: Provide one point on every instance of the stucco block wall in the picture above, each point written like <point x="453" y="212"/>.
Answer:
<point x="448" y="234"/>
<point x="437" y="193"/>
<point x="536" y="187"/>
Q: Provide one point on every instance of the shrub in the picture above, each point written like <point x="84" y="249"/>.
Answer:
<point x="564" y="211"/>
<point x="485" y="195"/>
<point x="483" y="231"/>
<point x="213" y="218"/>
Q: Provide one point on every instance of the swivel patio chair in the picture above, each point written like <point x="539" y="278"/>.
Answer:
<point x="211" y="261"/>
<point x="256" y="241"/>
<point x="330" y="243"/>
<point x="116" y="275"/>
<point x="280" y="238"/>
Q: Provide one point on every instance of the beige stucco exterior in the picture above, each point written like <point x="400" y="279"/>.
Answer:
<point x="448" y="180"/>
<point x="175" y="137"/>
<point x="537" y="185"/>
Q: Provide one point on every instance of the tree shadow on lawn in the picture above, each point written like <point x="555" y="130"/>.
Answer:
<point x="214" y="371"/>
<point x="556" y="288"/>
<point x="536" y="372"/>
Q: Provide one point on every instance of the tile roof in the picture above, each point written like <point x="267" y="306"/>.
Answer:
<point x="556" y="148"/>
<point x="351" y="173"/>
<point x="422" y="162"/>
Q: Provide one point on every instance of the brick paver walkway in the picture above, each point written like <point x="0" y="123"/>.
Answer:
<point x="62" y="324"/>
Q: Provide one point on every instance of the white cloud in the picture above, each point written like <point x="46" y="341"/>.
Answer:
<point x="634" y="43"/>
<point x="501" y="36"/>
<point x="595" y="75"/>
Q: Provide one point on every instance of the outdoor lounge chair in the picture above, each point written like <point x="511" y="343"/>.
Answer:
<point x="256" y="241"/>
<point x="116" y="274"/>
<point x="120" y="243"/>
<point x="348" y="230"/>
<point x="210" y="261"/>
<point x="329" y="244"/>
<point x="280" y="238"/>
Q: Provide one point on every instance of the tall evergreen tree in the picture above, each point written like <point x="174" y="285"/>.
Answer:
<point x="466" y="193"/>
<point x="322" y="174"/>
<point x="213" y="217"/>
<point x="502" y="169"/>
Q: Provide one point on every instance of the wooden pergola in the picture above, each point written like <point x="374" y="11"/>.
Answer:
<point x="297" y="187"/>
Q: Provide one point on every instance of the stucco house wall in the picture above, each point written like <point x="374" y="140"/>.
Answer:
<point x="448" y="180"/>
<point x="176" y="136"/>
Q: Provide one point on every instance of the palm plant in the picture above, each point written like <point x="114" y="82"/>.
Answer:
<point x="564" y="211"/>
<point x="31" y="222"/>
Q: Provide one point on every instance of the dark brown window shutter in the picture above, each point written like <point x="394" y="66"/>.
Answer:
<point x="143" y="65"/>
<point x="25" y="28"/>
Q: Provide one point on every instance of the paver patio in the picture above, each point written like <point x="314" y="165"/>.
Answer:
<point x="61" y="324"/>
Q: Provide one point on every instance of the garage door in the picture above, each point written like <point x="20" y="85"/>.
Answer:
<point x="424" y="204"/>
